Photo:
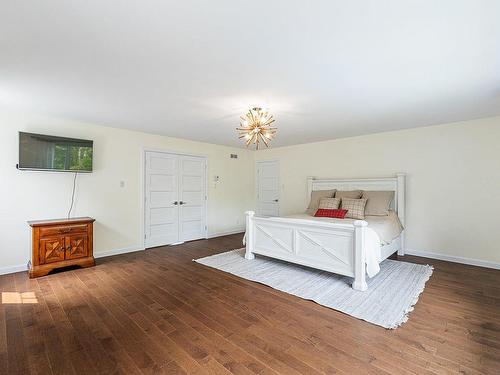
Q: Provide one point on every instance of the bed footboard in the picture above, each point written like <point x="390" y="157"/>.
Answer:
<point x="337" y="248"/>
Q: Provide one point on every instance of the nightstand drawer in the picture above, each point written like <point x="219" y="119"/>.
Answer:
<point x="61" y="230"/>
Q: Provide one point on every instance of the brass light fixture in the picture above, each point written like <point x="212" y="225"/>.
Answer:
<point x="255" y="127"/>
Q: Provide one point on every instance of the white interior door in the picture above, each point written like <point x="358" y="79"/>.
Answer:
<point x="268" y="188"/>
<point x="162" y="191"/>
<point x="175" y="198"/>
<point x="192" y="198"/>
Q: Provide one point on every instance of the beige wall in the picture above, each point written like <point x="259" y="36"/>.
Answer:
<point x="26" y="195"/>
<point x="453" y="195"/>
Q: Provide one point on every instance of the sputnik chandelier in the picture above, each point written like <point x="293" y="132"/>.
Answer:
<point x="255" y="127"/>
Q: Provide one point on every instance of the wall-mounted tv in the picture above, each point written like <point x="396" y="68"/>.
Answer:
<point x="50" y="153"/>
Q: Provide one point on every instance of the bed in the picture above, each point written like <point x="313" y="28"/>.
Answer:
<point x="346" y="247"/>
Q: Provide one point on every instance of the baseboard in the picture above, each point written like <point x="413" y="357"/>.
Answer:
<point x="124" y="250"/>
<point x="454" y="259"/>
<point x="14" y="269"/>
<point x="226" y="233"/>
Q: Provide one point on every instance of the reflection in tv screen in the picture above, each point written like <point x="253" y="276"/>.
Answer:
<point x="45" y="152"/>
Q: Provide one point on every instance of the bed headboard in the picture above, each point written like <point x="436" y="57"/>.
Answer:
<point x="396" y="184"/>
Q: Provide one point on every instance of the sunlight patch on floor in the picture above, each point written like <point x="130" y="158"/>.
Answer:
<point x="17" y="297"/>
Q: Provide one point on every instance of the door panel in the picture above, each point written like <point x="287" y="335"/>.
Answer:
<point x="268" y="188"/>
<point x="193" y="198"/>
<point x="162" y="215"/>
<point x="160" y="182"/>
<point x="161" y="211"/>
<point x="159" y="161"/>
<point x="162" y="198"/>
<point x="191" y="183"/>
<point x="192" y="194"/>
<point x="192" y="212"/>
<point x="76" y="247"/>
<point x="52" y="250"/>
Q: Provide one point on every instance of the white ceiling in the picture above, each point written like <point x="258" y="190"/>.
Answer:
<point x="326" y="69"/>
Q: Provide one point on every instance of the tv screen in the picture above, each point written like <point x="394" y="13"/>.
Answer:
<point x="49" y="153"/>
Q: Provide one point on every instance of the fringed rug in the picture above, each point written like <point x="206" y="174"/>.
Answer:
<point x="390" y="297"/>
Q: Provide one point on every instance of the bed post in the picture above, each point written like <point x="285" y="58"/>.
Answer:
<point x="309" y="188"/>
<point x="359" y="256"/>
<point x="401" y="177"/>
<point x="249" y="235"/>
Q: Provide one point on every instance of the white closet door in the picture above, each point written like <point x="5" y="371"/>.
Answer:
<point x="192" y="198"/>
<point x="161" y="209"/>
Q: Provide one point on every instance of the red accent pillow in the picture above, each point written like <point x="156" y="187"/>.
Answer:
<point x="337" y="214"/>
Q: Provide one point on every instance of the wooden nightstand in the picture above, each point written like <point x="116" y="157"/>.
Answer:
<point x="61" y="243"/>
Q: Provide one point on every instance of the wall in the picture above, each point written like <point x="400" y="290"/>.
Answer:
<point x="26" y="195"/>
<point x="453" y="182"/>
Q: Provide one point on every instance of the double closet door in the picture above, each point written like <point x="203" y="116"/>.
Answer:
<point x="175" y="198"/>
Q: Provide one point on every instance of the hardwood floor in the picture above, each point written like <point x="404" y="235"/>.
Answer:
<point x="158" y="312"/>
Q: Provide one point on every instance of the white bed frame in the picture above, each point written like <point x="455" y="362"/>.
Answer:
<point x="337" y="248"/>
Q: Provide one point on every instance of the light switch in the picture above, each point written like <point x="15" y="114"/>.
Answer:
<point x="122" y="184"/>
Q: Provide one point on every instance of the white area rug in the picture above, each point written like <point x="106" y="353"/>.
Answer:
<point x="391" y="294"/>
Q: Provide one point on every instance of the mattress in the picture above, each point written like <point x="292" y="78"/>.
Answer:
<point x="387" y="227"/>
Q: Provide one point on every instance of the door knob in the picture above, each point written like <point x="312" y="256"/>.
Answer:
<point x="176" y="203"/>
<point x="276" y="200"/>
<point x="181" y="203"/>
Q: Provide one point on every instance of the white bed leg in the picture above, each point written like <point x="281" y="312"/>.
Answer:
<point x="401" y="207"/>
<point x="249" y="235"/>
<point x="401" y="251"/>
<point x="359" y="256"/>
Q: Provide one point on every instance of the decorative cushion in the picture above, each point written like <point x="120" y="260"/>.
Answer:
<point x="355" y="208"/>
<point x="353" y="194"/>
<point x="378" y="202"/>
<point x="329" y="203"/>
<point x="317" y="195"/>
<point x="337" y="214"/>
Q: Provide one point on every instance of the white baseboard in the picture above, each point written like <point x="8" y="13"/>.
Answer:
<point x="454" y="259"/>
<point x="226" y="233"/>
<point x="108" y="253"/>
<point x="14" y="269"/>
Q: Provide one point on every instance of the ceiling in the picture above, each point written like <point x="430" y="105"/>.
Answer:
<point x="326" y="69"/>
